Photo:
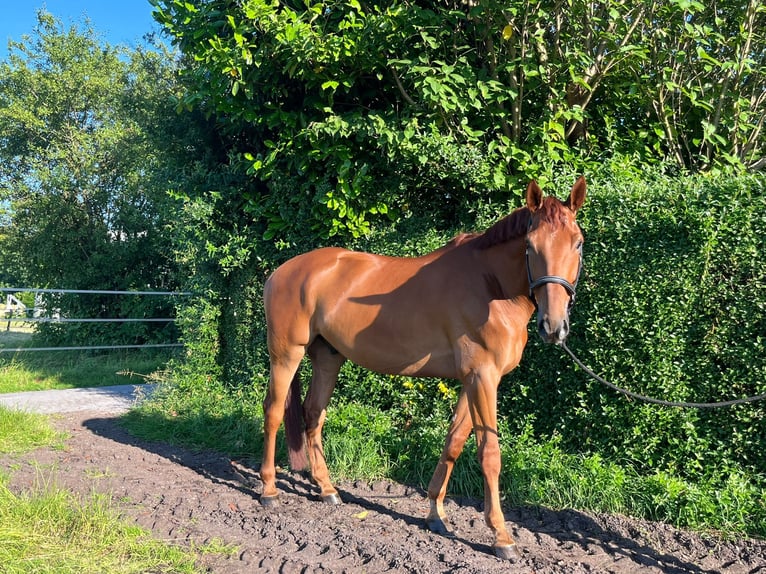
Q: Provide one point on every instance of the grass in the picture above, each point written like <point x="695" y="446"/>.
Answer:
<point x="37" y="371"/>
<point x="226" y="420"/>
<point x="49" y="530"/>
<point x="46" y="529"/>
<point x="21" y="432"/>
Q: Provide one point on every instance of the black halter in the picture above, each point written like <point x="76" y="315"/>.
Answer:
<point x="534" y="284"/>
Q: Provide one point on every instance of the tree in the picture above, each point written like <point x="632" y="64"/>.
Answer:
<point x="354" y="110"/>
<point x="704" y="74"/>
<point x="81" y="175"/>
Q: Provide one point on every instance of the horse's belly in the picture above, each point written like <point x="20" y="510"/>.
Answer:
<point x="396" y="353"/>
<point x="425" y="366"/>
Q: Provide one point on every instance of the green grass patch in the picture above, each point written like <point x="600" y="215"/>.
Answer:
<point x="21" y="432"/>
<point x="542" y="473"/>
<point x="226" y="420"/>
<point x="47" y="530"/>
<point x="38" y="371"/>
<point x="358" y="441"/>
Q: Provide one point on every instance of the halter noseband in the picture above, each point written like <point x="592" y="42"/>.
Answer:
<point x="534" y="284"/>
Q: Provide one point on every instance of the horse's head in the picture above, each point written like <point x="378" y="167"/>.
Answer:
<point x="554" y="258"/>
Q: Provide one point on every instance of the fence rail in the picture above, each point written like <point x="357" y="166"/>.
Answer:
<point x="90" y="348"/>
<point x="116" y="320"/>
<point x="89" y="291"/>
<point x="38" y="319"/>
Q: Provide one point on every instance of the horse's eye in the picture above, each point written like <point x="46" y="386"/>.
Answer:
<point x="579" y="245"/>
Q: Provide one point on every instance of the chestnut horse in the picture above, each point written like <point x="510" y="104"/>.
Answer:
<point x="458" y="312"/>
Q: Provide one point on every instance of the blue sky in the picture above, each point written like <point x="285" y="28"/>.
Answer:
<point x="116" y="21"/>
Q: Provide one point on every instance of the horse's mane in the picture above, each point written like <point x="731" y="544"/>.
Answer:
<point x="515" y="225"/>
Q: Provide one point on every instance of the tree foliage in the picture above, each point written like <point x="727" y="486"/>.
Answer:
<point x="82" y="177"/>
<point x="352" y="110"/>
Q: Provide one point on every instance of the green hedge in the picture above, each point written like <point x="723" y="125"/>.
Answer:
<point x="671" y="304"/>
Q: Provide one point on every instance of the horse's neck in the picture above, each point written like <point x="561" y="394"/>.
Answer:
<point x="507" y="265"/>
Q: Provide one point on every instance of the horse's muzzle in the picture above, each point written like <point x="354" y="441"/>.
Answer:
<point x="553" y="332"/>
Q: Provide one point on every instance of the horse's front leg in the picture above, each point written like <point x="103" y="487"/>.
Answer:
<point x="482" y="403"/>
<point x="459" y="430"/>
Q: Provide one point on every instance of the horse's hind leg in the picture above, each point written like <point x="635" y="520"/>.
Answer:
<point x="325" y="365"/>
<point x="283" y="368"/>
<point x="459" y="430"/>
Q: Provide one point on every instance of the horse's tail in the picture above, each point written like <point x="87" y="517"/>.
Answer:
<point x="294" y="427"/>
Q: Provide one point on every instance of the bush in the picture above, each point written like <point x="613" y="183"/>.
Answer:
<point x="670" y="305"/>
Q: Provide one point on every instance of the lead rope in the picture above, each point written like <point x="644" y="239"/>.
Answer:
<point x="660" y="401"/>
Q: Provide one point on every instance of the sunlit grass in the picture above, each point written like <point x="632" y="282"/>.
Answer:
<point x="21" y="432"/>
<point x="37" y="371"/>
<point x="51" y="530"/>
<point x="227" y="420"/>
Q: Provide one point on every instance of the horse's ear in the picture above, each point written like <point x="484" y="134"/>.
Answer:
<point x="577" y="195"/>
<point x="534" y="196"/>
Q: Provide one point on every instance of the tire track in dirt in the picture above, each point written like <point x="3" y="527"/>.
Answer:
<point x="190" y="497"/>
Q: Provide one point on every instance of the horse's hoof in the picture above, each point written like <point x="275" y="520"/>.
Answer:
<point x="270" y="501"/>
<point x="438" y="526"/>
<point x="506" y="551"/>
<point x="333" y="498"/>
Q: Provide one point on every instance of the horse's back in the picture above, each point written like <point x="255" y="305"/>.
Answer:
<point x="376" y="310"/>
<point x="334" y="272"/>
<point x="296" y="280"/>
<point x="315" y="281"/>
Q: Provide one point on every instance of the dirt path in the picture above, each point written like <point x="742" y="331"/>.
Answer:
<point x="184" y="496"/>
